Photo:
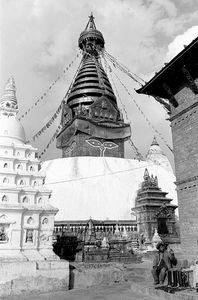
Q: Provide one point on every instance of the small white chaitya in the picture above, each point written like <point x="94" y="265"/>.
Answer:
<point x="26" y="217"/>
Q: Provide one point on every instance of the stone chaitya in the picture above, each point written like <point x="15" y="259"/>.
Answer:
<point x="154" y="211"/>
<point x="26" y="217"/>
<point x="177" y="82"/>
<point x="92" y="124"/>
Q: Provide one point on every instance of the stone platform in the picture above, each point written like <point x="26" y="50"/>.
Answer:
<point x="33" y="277"/>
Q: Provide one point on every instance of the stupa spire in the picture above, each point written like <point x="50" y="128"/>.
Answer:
<point x="154" y="142"/>
<point x="91" y="117"/>
<point x="157" y="156"/>
<point x="8" y="99"/>
<point x="91" y="40"/>
<point x="91" y="23"/>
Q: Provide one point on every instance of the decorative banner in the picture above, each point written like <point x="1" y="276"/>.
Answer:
<point x="131" y="143"/>
<point x="144" y="116"/>
<point x="50" y="142"/>
<point x="49" y="123"/>
<point x="115" y="63"/>
<point x="49" y="88"/>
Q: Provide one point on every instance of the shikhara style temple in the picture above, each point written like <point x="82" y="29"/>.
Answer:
<point x="154" y="211"/>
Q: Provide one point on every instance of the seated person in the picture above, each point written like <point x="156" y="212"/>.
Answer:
<point x="161" y="264"/>
<point x="170" y="252"/>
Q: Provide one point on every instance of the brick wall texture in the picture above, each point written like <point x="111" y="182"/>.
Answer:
<point x="185" y="145"/>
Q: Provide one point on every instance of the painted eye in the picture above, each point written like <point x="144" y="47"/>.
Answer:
<point x="110" y="145"/>
<point x="94" y="143"/>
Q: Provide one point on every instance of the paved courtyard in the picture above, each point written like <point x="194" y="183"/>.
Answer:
<point x="113" y="292"/>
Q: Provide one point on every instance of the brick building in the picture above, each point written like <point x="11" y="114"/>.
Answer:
<point x="177" y="82"/>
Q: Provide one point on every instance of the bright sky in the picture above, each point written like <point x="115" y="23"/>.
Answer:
<point x="39" y="39"/>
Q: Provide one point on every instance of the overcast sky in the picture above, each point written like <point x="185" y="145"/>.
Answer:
<point x="39" y="39"/>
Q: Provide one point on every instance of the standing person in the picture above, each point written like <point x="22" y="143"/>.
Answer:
<point x="161" y="264"/>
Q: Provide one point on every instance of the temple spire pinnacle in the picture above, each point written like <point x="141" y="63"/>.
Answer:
<point x="91" y="23"/>
<point x="154" y="142"/>
<point x="8" y="99"/>
<point x="91" y="40"/>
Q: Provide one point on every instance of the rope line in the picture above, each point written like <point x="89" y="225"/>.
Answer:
<point x="60" y="106"/>
<point x="140" y="110"/>
<point x="107" y="174"/>
<point x="49" y="123"/>
<point x="131" y="143"/>
<point x="123" y="68"/>
<point x="50" y="141"/>
<point x="43" y="96"/>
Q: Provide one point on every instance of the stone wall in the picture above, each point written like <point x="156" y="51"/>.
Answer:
<point x="84" y="275"/>
<point x="184" y="123"/>
<point x="33" y="277"/>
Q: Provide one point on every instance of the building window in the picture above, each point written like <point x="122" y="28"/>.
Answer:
<point x="4" y="198"/>
<point x="162" y="226"/>
<point x="31" y="169"/>
<point x="22" y="182"/>
<point x="25" y="200"/>
<point x="30" y="220"/>
<point x="5" y="180"/>
<point x="3" y="233"/>
<point x="35" y="183"/>
<point x="40" y="200"/>
<point x="20" y="167"/>
<point x="6" y="152"/>
<point x="28" y="154"/>
<point x="5" y="165"/>
<point x="29" y="236"/>
<point x="45" y="221"/>
<point x="5" y="132"/>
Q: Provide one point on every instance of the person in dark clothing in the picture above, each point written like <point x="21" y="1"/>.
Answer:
<point x="161" y="264"/>
<point x="173" y="259"/>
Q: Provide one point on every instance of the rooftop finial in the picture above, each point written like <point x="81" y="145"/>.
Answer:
<point x="91" y="40"/>
<point x="8" y="99"/>
<point x="91" y="23"/>
<point x="154" y="142"/>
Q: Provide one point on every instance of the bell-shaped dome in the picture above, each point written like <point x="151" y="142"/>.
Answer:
<point x="91" y="40"/>
<point x="11" y="130"/>
<point x="157" y="156"/>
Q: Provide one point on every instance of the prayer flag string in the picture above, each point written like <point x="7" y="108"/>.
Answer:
<point x="43" y="96"/>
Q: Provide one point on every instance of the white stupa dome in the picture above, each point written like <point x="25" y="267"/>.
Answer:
<point x="11" y="130"/>
<point x="100" y="187"/>
<point x="156" y="155"/>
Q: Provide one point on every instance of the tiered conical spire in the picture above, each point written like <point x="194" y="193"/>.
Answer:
<point x="91" y="81"/>
<point x="8" y="99"/>
<point x="154" y="142"/>
<point x="91" y="117"/>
